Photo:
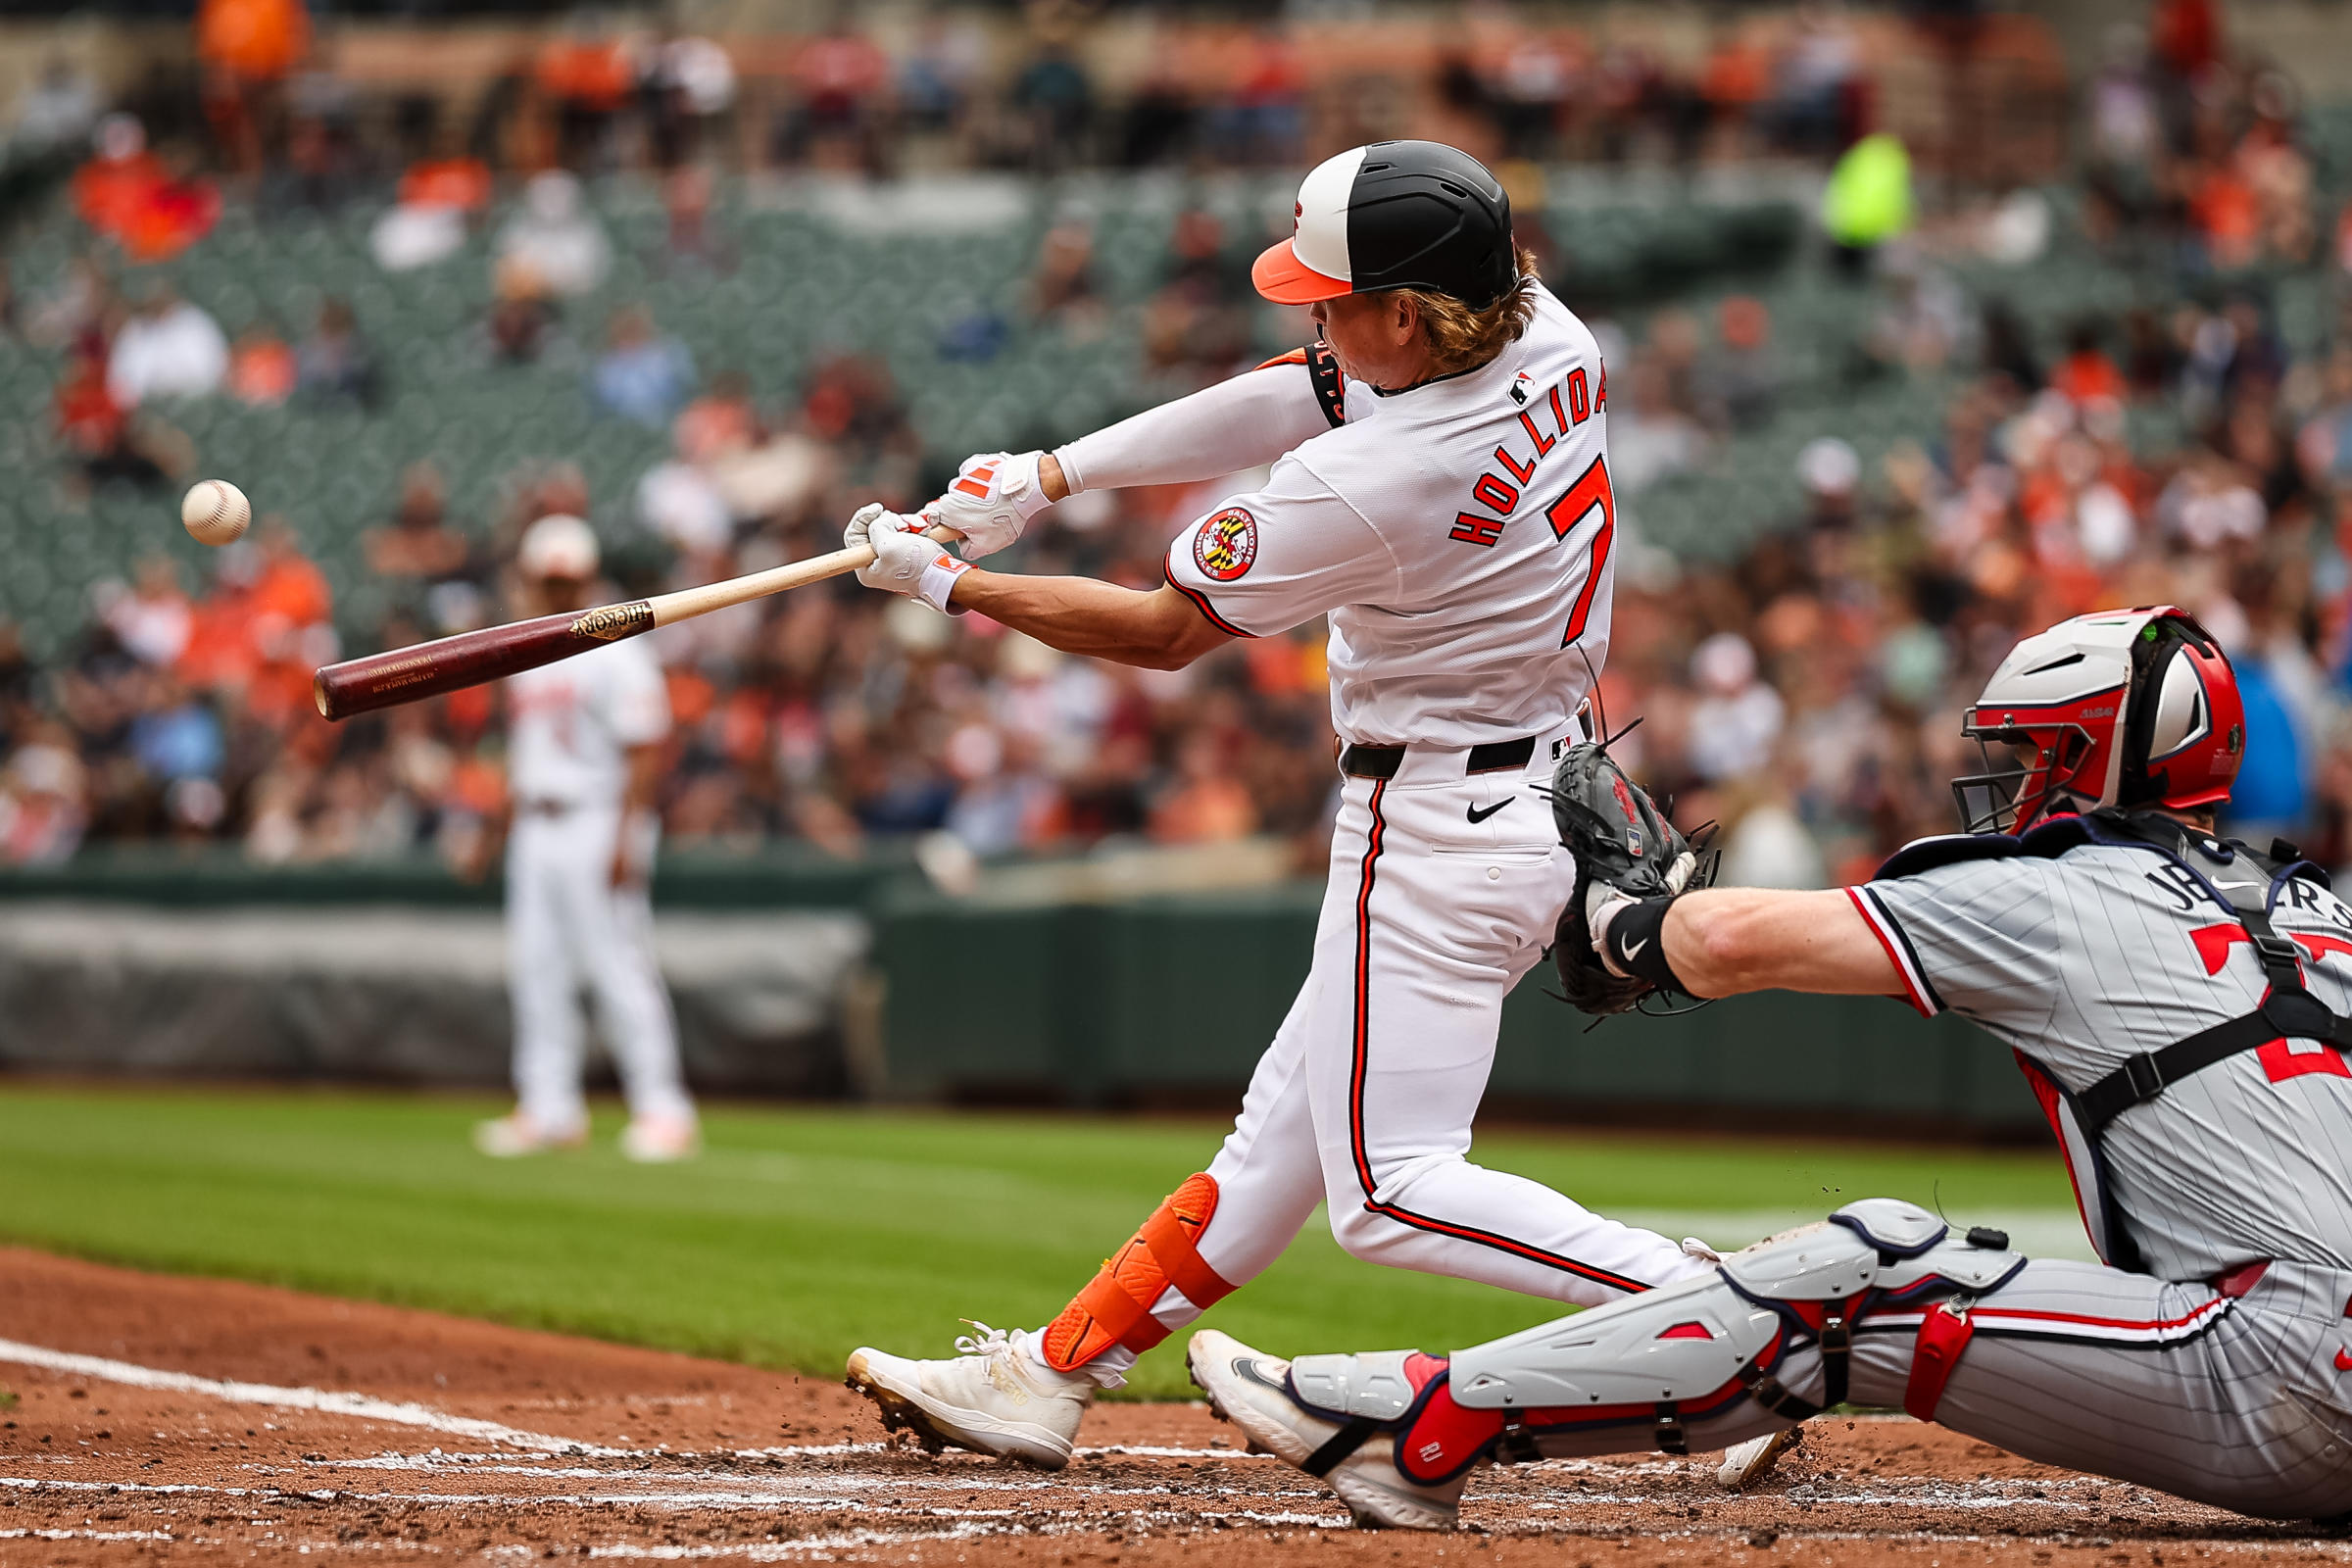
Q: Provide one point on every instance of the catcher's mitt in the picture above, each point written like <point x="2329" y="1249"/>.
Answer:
<point x="1619" y="837"/>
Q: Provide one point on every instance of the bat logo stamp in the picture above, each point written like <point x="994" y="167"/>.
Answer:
<point x="608" y="623"/>
<point x="1226" y="545"/>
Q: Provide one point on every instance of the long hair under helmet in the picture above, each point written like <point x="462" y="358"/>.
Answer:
<point x="2124" y="708"/>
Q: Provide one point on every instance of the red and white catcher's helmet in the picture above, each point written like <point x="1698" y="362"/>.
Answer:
<point x="2123" y="707"/>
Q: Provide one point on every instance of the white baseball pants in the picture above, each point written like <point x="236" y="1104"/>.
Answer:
<point x="1444" y="889"/>
<point x="567" y="926"/>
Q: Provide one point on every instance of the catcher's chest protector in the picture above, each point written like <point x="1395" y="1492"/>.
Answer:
<point x="2239" y="882"/>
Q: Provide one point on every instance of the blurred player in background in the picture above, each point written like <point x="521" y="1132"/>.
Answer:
<point x="583" y="766"/>
<point x="1439" y="490"/>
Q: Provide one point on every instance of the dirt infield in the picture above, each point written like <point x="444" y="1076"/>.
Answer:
<point x="171" y="1420"/>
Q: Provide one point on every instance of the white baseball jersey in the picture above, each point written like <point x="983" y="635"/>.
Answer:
<point x="571" y="721"/>
<point x="1460" y="534"/>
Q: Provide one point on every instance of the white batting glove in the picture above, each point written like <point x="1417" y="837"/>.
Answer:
<point x="905" y="561"/>
<point x="993" y="499"/>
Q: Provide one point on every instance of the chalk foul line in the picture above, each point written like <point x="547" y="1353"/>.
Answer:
<point x="328" y="1401"/>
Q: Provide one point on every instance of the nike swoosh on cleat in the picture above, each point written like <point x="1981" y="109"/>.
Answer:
<point x="1479" y="814"/>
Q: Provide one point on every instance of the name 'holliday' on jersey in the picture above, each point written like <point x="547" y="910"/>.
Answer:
<point x="1460" y="535"/>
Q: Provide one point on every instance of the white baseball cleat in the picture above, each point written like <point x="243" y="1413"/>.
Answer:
<point x="1252" y="1391"/>
<point x="1746" y="1463"/>
<point x="660" y="1140"/>
<point x="993" y="1397"/>
<point x="515" y="1136"/>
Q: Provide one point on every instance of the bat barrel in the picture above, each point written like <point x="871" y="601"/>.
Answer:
<point x="428" y="670"/>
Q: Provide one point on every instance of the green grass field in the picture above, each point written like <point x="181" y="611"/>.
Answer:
<point x="805" y="1232"/>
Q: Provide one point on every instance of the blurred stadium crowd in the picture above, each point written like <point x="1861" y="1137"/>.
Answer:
<point x="1864" y="526"/>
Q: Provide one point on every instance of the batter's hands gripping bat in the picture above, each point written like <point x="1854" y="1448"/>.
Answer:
<point x="471" y="658"/>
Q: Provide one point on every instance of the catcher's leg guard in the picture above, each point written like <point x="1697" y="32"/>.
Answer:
<point x="1698" y="1348"/>
<point x="1116" y="1307"/>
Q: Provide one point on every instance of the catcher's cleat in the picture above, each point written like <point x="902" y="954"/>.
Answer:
<point x="512" y="1136"/>
<point x="660" y="1140"/>
<point x="992" y="1399"/>
<point x="1355" y="1456"/>
<point x="1746" y="1463"/>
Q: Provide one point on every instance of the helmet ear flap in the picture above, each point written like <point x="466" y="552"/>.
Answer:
<point x="2172" y="744"/>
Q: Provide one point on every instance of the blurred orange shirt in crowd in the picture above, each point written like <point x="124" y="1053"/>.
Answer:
<point x="2228" y="214"/>
<point x="262" y="373"/>
<point x="260" y="41"/>
<point x="292" y="587"/>
<point x="592" y="73"/>
<point x="220" y="652"/>
<point x="459" y="183"/>
<point x="133" y="199"/>
<point x="690" y="696"/>
<point x="2088" y="374"/>
<point x="1736" y="75"/>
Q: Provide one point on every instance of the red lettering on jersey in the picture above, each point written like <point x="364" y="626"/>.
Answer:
<point x="1543" y="443"/>
<point x="1511" y="466"/>
<point x="1559" y="416"/>
<point x="1494" y="493"/>
<point x="1580" y="404"/>
<point x="2280" y="1060"/>
<point x="1591" y="493"/>
<point x="1475" y="530"/>
<point x="1601" y="394"/>
<point x="2214" y="942"/>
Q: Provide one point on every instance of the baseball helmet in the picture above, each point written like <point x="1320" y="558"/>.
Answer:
<point x="2128" y="707"/>
<point x="1394" y="215"/>
<point x="558" y="545"/>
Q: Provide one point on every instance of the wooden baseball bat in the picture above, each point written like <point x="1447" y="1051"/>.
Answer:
<point x="471" y="658"/>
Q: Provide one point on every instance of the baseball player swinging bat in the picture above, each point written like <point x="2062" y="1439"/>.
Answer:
<point x="473" y="658"/>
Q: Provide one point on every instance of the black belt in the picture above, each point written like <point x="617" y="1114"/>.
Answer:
<point x="546" y="808"/>
<point x="1382" y="762"/>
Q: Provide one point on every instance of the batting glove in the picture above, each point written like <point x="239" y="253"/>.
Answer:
<point x="905" y="561"/>
<point x="993" y="499"/>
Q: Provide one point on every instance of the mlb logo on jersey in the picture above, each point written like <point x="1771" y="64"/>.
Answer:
<point x="1226" y="545"/>
<point x="1523" y="387"/>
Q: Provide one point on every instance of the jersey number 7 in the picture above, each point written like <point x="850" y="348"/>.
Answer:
<point x="1591" y="493"/>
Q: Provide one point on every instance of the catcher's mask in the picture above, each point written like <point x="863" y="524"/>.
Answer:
<point x="2124" y="708"/>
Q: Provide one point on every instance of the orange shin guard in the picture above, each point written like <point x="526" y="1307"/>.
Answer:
<point x="1116" y="1307"/>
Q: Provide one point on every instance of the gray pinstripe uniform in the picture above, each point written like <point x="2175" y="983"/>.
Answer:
<point x="2219" y="1367"/>
<point x="2156" y="1375"/>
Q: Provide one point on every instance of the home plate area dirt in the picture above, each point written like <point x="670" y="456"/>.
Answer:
<point x="173" y="1420"/>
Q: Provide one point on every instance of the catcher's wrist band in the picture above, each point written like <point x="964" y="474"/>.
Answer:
<point x="1636" y="943"/>
<point x="938" y="581"/>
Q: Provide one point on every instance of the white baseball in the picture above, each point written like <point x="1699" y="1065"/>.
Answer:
<point x="215" y="512"/>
